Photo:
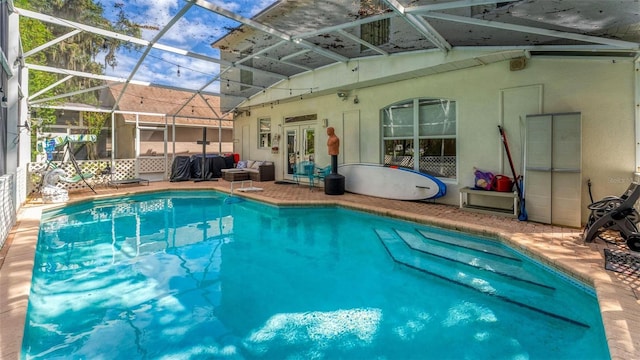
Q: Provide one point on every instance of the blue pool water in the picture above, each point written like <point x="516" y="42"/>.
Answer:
<point x="186" y="275"/>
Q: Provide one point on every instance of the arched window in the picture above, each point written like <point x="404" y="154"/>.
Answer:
<point x="420" y="134"/>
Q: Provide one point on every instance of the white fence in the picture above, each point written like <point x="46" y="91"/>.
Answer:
<point x="8" y="212"/>
<point x="442" y="166"/>
<point x="122" y="169"/>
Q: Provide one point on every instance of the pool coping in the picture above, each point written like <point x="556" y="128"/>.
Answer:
<point x="558" y="247"/>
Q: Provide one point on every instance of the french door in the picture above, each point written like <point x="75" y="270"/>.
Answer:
<point x="300" y="145"/>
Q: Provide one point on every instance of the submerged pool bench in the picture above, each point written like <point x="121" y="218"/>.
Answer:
<point x="465" y="202"/>
<point x="116" y="183"/>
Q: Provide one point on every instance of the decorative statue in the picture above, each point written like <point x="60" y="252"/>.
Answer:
<point x="333" y="143"/>
<point x="334" y="182"/>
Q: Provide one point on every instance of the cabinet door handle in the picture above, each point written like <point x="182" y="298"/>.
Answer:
<point x="565" y="170"/>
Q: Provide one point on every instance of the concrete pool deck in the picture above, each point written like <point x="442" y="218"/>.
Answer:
<point x="560" y="247"/>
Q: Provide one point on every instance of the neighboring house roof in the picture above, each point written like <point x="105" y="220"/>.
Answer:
<point x="155" y="100"/>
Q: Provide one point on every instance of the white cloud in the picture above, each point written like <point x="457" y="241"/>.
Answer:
<point x="260" y="5"/>
<point x="195" y="31"/>
<point x="190" y="32"/>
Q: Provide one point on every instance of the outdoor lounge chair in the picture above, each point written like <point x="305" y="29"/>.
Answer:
<point x="67" y="141"/>
<point x="616" y="213"/>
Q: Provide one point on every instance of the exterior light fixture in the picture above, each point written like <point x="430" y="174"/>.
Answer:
<point x="4" y="99"/>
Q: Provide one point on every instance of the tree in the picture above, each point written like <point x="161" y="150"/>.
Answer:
<point x="76" y="53"/>
<point x="94" y="122"/>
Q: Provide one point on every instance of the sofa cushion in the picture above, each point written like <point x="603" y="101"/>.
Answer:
<point x="250" y="163"/>
<point x="232" y="170"/>
<point x="228" y="161"/>
<point x="256" y="165"/>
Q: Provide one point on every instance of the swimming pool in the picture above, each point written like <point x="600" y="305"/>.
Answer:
<point x="186" y="275"/>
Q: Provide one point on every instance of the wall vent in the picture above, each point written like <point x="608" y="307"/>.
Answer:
<point x="518" y="63"/>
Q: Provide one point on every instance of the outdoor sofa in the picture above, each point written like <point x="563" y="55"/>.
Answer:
<point x="251" y="170"/>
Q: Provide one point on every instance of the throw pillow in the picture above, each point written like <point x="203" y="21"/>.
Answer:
<point x="256" y="164"/>
<point x="242" y="164"/>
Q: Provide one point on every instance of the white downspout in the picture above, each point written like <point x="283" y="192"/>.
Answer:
<point x="636" y="74"/>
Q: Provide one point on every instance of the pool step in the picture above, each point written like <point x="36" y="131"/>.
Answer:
<point x="416" y="242"/>
<point x="484" y="247"/>
<point x="402" y="254"/>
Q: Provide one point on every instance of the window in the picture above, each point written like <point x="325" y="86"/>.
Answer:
<point x="420" y="134"/>
<point x="264" y="133"/>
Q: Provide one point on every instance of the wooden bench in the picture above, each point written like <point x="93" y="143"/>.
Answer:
<point x="465" y="203"/>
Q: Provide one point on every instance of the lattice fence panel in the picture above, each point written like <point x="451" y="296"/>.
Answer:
<point x="91" y="169"/>
<point x="402" y="161"/>
<point x="21" y="185"/>
<point x="124" y="169"/>
<point x="169" y="166"/>
<point x="8" y="212"/>
<point x="151" y="165"/>
<point x="443" y="166"/>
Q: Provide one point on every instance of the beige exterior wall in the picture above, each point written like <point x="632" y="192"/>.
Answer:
<point x="153" y="142"/>
<point x="125" y="136"/>
<point x="601" y="89"/>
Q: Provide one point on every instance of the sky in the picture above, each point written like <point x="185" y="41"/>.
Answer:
<point x="194" y="32"/>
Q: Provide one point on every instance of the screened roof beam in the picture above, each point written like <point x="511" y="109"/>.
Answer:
<point x="241" y="19"/>
<point x="134" y="40"/>
<point x="214" y="79"/>
<point x="52" y="42"/>
<point x="295" y="54"/>
<point x="97" y="109"/>
<point x="362" y="42"/>
<point x="210" y="107"/>
<point x="319" y="50"/>
<point x="258" y="53"/>
<point x="351" y="24"/>
<point x="155" y="39"/>
<point x="306" y="68"/>
<point x="62" y="96"/>
<point x="256" y="25"/>
<point x="5" y="64"/>
<point x="83" y="74"/>
<point x="533" y="30"/>
<point x="453" y="5"/>
<point x="65" y="79"/>
<point x="112" y="78"/>
<point x="281" y="60"/>
<point x="421" y="25"/>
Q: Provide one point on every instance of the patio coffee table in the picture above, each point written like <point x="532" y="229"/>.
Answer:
<point x="236" y="175"/>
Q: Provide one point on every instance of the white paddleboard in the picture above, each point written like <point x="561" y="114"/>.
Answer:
<point x="390" y="182"/>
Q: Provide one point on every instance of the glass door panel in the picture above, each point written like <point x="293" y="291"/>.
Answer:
<point x="300" y="145"/>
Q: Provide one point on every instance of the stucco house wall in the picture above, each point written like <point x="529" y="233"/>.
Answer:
<point x="602" y="90"/>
